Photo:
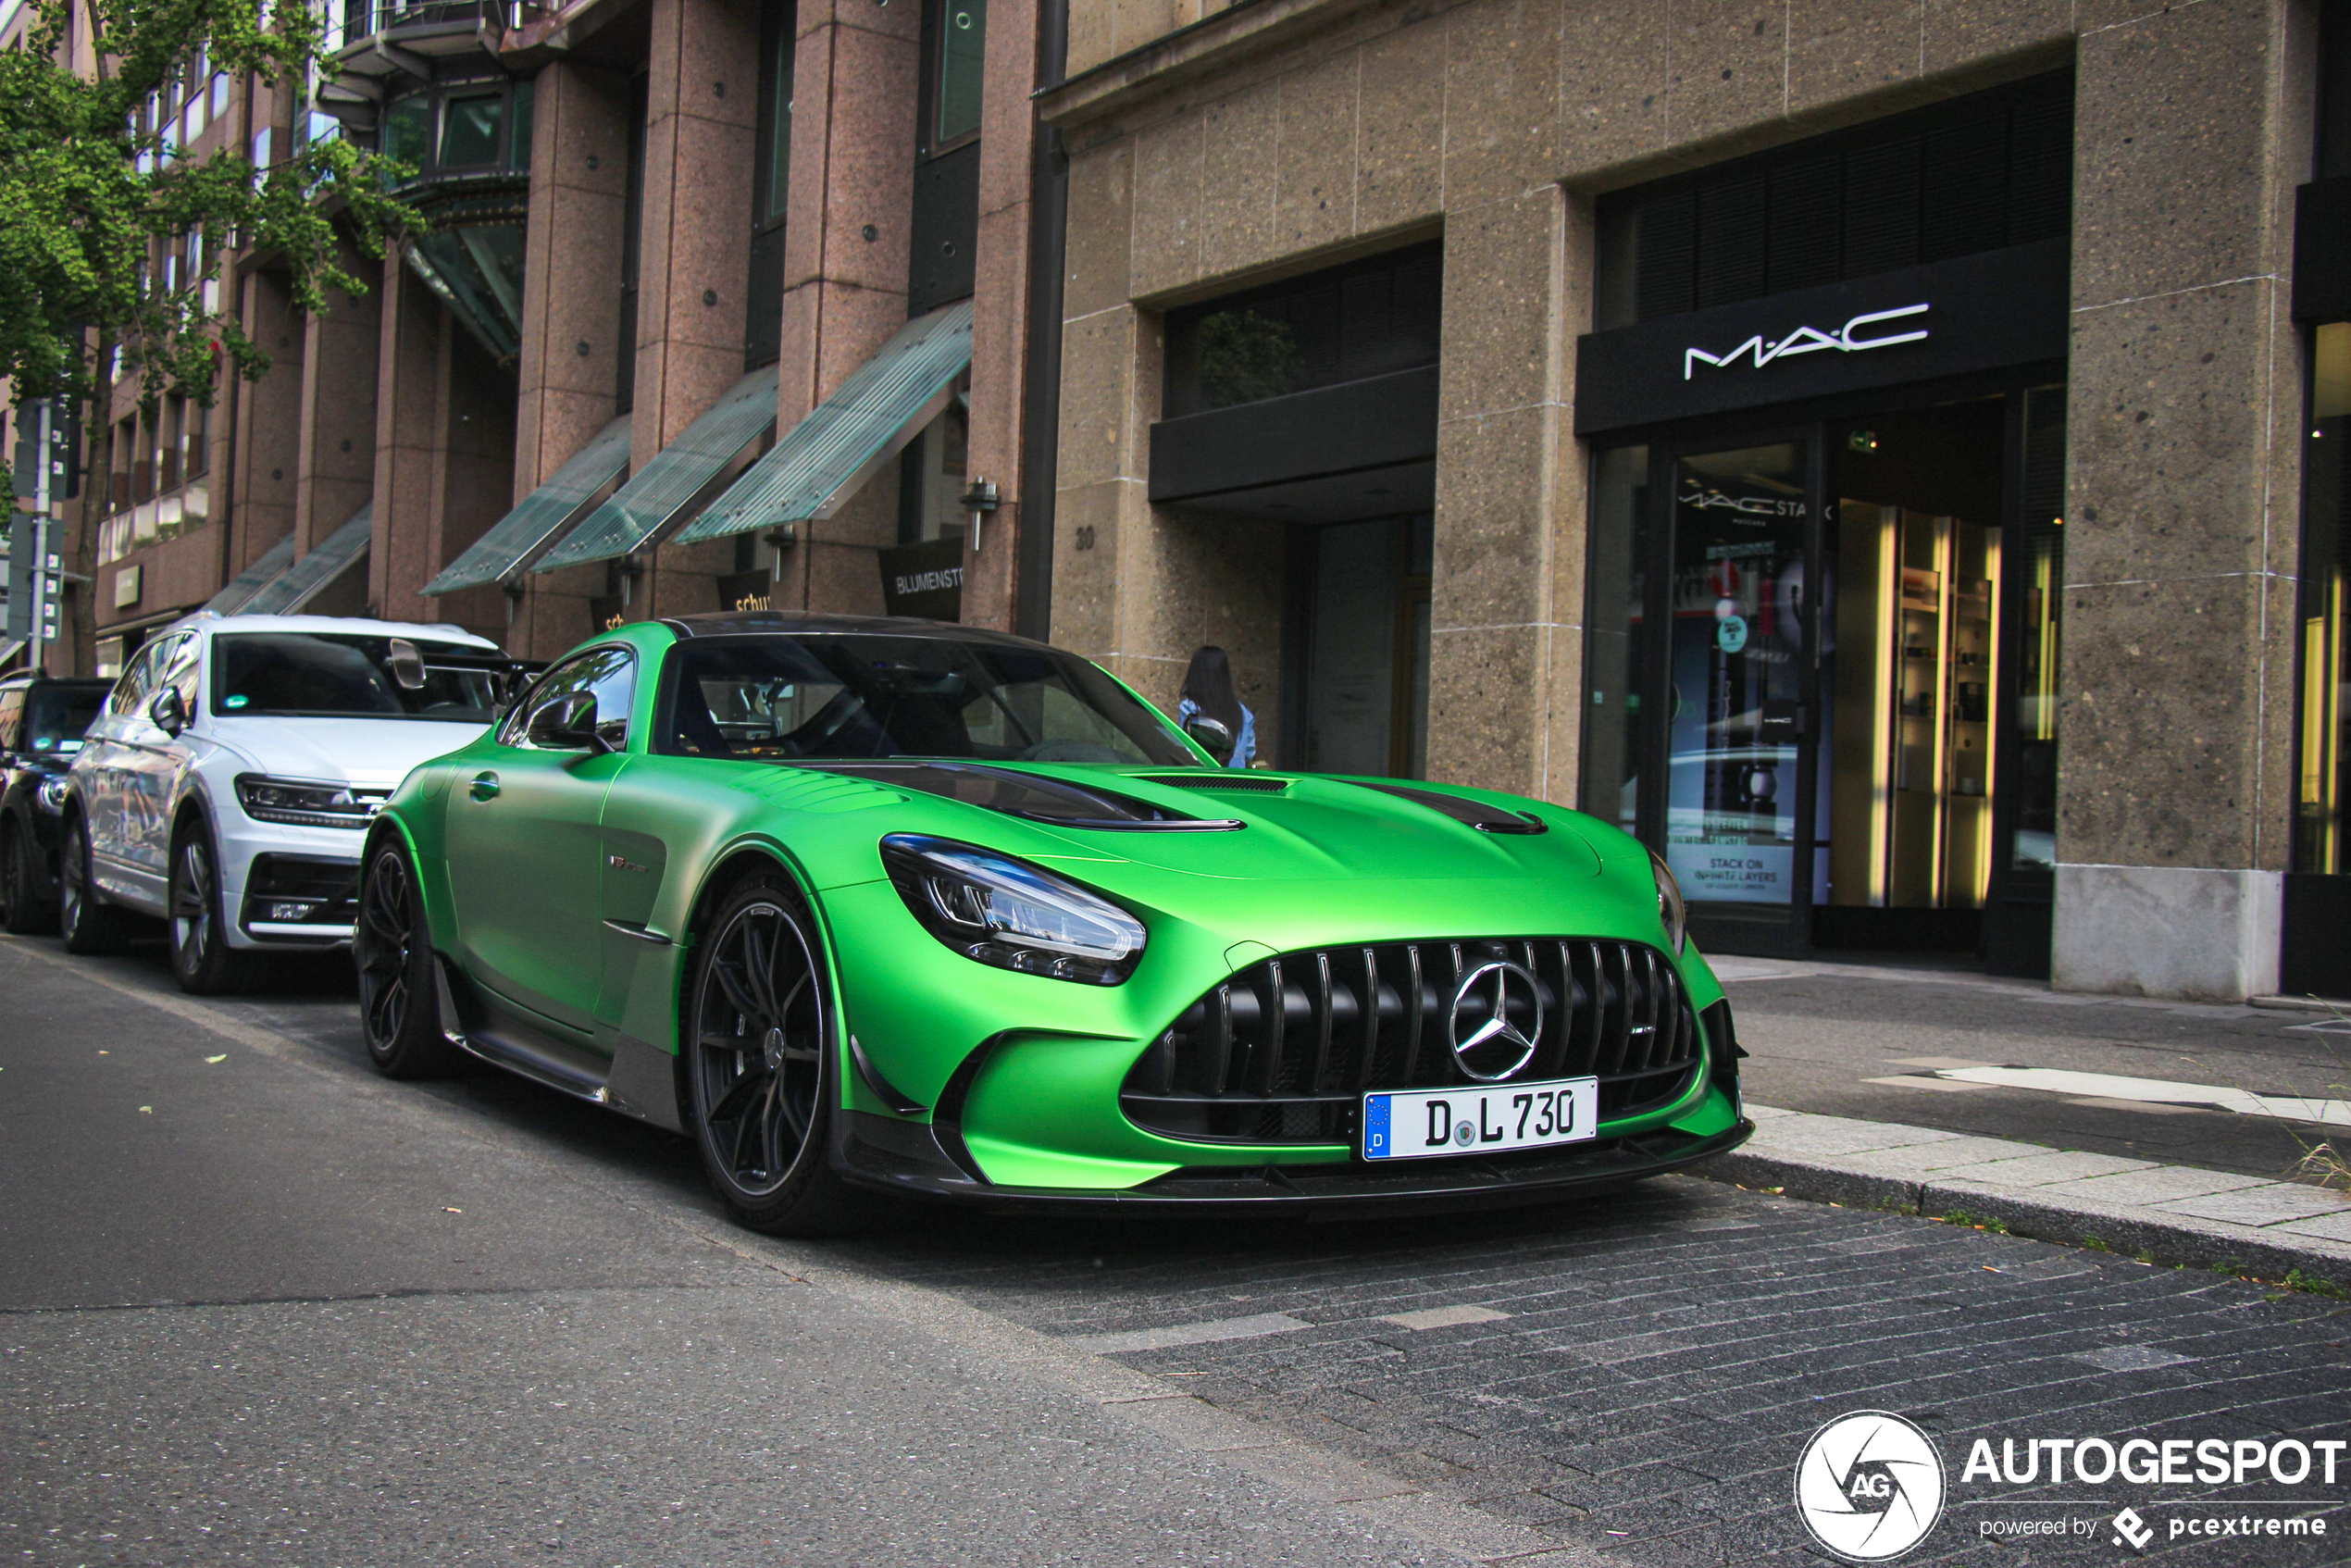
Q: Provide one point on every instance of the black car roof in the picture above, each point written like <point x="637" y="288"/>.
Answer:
<point x="96" y="682"/>
<point x="753" y="623"/>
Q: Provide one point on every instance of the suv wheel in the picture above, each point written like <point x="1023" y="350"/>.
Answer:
<point x="91" y="926"/>
<point x="201" y="957"/>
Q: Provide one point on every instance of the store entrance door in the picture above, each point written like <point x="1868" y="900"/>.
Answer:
<point x="1740" y="697"/>
<point x="1810" y="676"/>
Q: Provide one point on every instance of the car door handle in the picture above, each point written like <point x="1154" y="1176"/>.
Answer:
<point x="484" y="787"/>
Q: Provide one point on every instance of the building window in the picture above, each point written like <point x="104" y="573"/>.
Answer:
<point x="1346" y="324"/>
<point x="1988" y="171"/>
<point x="2326" y="663"/>
<point x="471" y="130"/>
<point x="779" y="25"/>
<point x="962" y="43"/>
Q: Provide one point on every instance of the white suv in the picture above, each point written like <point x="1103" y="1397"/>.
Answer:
<point x="231" y="777"/>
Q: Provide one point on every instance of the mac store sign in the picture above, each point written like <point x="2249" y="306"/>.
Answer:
<point x="1989" y="311"/>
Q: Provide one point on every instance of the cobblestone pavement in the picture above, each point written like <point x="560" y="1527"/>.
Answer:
<point x="1640" y="1378"/>
<point x="1634" y="1376"/>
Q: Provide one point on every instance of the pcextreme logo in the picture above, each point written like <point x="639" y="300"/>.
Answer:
<point x="1869" y="1486"/>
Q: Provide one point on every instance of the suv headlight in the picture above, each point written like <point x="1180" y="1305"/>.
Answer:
<point x="51" y="794"/>
<point x="303" y="803"/>
<point x="997" y="910"/>
<point x="1671" y="911"/>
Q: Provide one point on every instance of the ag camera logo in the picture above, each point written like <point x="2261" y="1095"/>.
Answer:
<point x="1869" y="1486"/>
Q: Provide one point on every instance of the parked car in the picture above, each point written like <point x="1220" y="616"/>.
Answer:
<point x="228" y="783"/>
<point x="885" y="906"/>
<point x="41" y="720"/>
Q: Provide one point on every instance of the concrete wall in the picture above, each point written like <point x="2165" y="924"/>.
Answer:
<point x="1291" y="135"/>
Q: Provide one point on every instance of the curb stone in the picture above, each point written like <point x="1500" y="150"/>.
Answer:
<point x="1775" y="1158"/>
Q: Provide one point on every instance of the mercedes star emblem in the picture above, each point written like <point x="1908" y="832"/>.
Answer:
<point x="1490" y="994"/>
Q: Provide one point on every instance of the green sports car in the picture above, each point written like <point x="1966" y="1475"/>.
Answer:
<point x="871" y="906"/>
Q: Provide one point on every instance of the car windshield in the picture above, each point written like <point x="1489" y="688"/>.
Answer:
<point x="849" y="696"/>
<point x="336" y="675"/>
<point x="56" y="717"/>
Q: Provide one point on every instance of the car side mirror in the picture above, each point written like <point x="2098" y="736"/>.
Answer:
<point x="167" y="713"/>
<point x="408" y="665"/>
<point x="568" y="724"/>
<point x="1212" y="736"/>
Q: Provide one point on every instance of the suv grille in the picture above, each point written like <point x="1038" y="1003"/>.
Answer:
<point x="1237" y="1068"/>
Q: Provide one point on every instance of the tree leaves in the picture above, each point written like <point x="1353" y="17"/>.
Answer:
<point x="93" y="201"/>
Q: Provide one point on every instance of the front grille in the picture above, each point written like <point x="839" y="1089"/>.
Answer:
<point x="1236" y="1067"/>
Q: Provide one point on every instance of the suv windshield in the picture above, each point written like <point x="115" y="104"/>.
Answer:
<point x="56" y="717"/>
<point x="336" y="675"/>
<point x="838" y="697"/>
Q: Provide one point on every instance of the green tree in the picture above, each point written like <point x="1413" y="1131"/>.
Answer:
<point x="93" y="201"/>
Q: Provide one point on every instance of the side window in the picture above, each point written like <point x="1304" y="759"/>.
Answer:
<point x="132" y="688"/>
<point x="178" y="669"/>
<point x="608" y="674"/>
<point x="11" y="718"/>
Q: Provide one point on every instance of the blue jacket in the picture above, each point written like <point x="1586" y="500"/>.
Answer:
<point x="1244" y="750"/>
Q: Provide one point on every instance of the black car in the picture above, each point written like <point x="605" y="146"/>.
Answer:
<point x="41" y="721"/>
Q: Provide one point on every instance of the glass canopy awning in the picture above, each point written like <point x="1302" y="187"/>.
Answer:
<point x="232" y="599"/>
<point x="660" y="493"/>
<point x="286" y="593"/>
<point x="846" y="439"/>
<point x="501" y="555"/>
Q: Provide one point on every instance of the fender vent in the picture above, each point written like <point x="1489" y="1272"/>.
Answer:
<point x="1237" y="1067"/>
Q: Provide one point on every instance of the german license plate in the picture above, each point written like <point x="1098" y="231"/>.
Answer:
<point x="1418" y="1123"/>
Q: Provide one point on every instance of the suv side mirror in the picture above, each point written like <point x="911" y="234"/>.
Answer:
<point x="568" y="724"/>
<point x="167" y="712"/>
<point x="1212" y="736"/>
<point x="408" y="665"/>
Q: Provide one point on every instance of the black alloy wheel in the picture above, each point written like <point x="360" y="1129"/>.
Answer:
<point x="23" y="912"/>
<point x="91" y="927"/>
<point x="201" y="959"/>
<point x="757" y="1062"/>
<point x="399" y="997"/>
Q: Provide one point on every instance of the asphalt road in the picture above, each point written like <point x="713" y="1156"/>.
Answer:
<point x="1824" y="1035"/>
<point x="257" y="1306"/>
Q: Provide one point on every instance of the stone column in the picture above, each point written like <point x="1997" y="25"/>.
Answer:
<point x="570" y="314"/>
<point x="701" y="124"/>
<point x="335" y="466"/>
<point x="408" y="414"/>
<point x="856" y="84"/>
<point x="268" y="436"/>
<point x="1000" y="328"/>
<point x="2175" y="794"/>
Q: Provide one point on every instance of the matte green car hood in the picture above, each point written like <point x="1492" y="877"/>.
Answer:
<point x="1321" y="829"/>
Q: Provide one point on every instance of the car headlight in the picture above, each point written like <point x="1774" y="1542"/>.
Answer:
<point x="1671" y="911"/>
<point x="303" y="803"/>
<point x="997" y="910"/>
<point x="51" y="795"/>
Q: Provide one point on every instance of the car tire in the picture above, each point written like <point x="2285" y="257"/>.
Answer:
<point x="202" y="960"/>
<point x="91" y="927"/>
<point x="23" y="913"/>
<point x="759" y="1065"/>
<point x="399" y="993"/>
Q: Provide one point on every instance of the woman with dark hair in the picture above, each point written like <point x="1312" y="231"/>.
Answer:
<point x="1208" y="693"/>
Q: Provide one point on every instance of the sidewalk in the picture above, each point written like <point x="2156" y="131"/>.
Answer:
<point x="2163" y="1213"/>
